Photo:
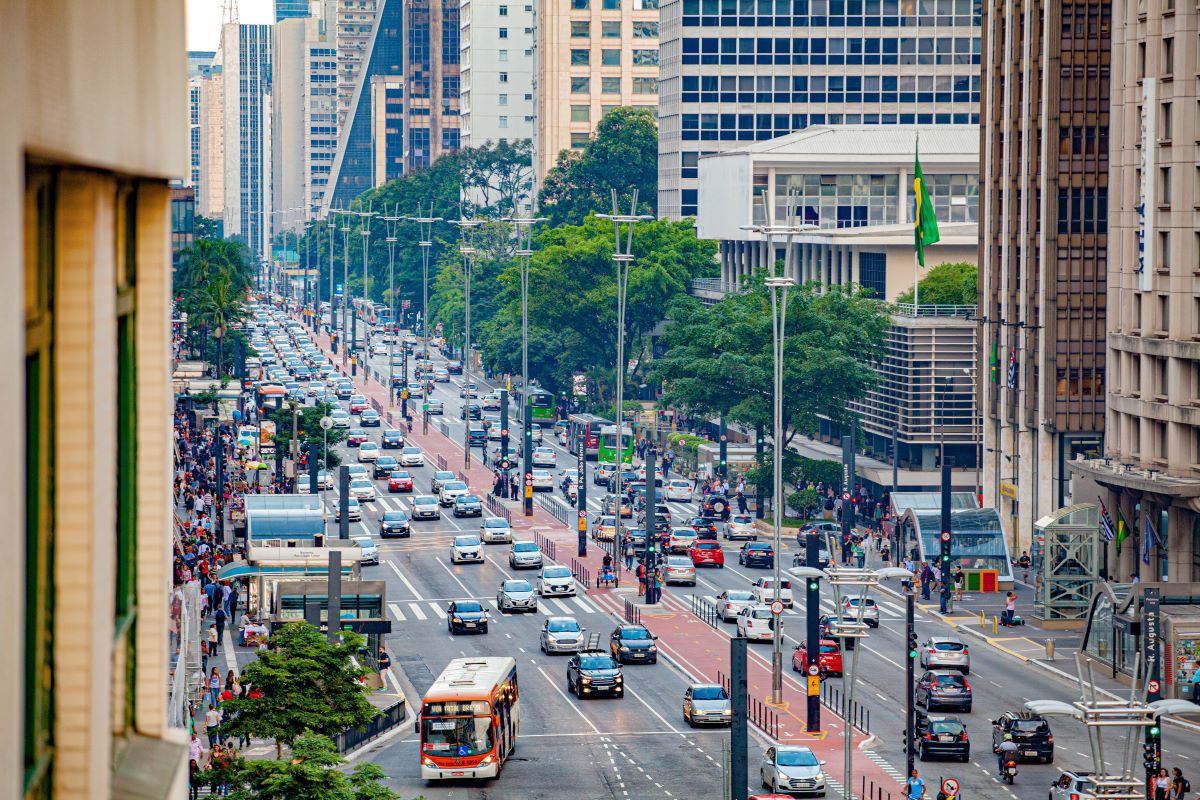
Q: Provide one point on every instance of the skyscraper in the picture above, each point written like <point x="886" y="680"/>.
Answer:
<point x="738" y="71"/>
<point x="199" y="68"/>
<point x="1042" y="253"/>
<point x="497" y="95"/>
<point x="355" y="27"/>
<point x="290" y="9"/>
<point x="246" y="67"/>
<point x="210" y="188"/>
<point x="431" y="79"/>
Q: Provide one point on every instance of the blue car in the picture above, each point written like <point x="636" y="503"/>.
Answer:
<point x="757" y="554"/>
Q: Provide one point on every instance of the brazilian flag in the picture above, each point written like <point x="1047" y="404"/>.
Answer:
<point x="925" y="228"/>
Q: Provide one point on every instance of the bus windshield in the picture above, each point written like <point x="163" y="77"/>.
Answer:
<point x="457" y="736"/>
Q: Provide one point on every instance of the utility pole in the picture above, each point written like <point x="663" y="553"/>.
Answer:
<point x="425" y="227"/>
<point x="739" y="733"/>
<point x="332" y="299"/>
<point x="343" y="502"/>
<point x="910" y="656"/>
<point x="365" y="232"/>
<point x="346" y="346"/>
<point x="1152" y="646"/>
<point x="390" y="227"/>
<point x="812" y="633"/>
<point x="468" y="264"/>
<point x="652" y="590"/>
<point x="946" y="539"/>
<point x="581" y="501"/>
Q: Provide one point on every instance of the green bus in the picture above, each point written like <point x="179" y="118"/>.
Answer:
<point x="541" y="407"/>
<point x="608" y="444"/>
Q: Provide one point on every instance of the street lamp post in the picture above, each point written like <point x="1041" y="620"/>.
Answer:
<point x="365" y="232"/>
<point x="468" y="261"/>
<point x="623" y="259"/>
<point x="391" y="225"/>
<point x="345" y="282"/>
<point x="332" y="301"/>
<point x="778" y="285"/>
<point x="425" y="242"/>
<point x="524" y="230"/>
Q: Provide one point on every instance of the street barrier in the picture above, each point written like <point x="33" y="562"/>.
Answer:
<point x="353" y="738"/>
<point x="444" y="428"/>
<point x="461" y="476"/>
<point x="850" y="711"/>
<point x="441" y="461"/>
<point x="706" y="611"/>
<point x="760" y="715"/>
<point x="872" y="791"/>
<point x="582" y="574"/>
<point x="546" y="545"/>
<point x="633" y="615"/>
<point x="497" y="508"/>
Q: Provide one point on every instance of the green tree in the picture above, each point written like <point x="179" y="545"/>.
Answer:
<point x="497" y="178"/>
<point x="623" y="155"/>
<point x="820" y="470"/>
<point x="212" y="281"/>
<point x="308" y="428"/>
<point x="206" y="227"/>
<point x="955" y="284"/>
<point x="311" y="772"/>
<point x="307" y="684"/>
<point x="719" y="360"/>
<point x="806" y="502"/>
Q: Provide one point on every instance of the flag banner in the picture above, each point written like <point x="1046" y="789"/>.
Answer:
<point x="1012" y="368"/>
<point x="925" y="227"/>
<point x="1106" y="524"/>
<point x="1149" y="538"/>
<point x="1122" y="530"/>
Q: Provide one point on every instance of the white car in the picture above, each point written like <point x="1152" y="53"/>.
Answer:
<point x="412" y="457"/>
<point x="416" y="390"/>
<point x="467" y="547"/>
<point x="490" y="401"/>
<point x="495" y="529"/>
<point x="555" y="581"/>
<point x="764" y="590"/>
<point x="754" y="622"/>
<point x="368" y="451"/>
<point x="370" y="551"/>
<point x="451" y="491"/>
<point x="731" y="601"/>
<point x="340" y="417"/>
<point x="681" y="540"/>
<point x="791" y="769"/>
<point x="535" y="434"/>
<point x="543" y="481"/>
<point x="354" y="510"/>
<point x="680" y="569"/>
<point x="741" y="526"/>
<point x="362" y="489"/>
<point x="357" y="471"/>
<point x="679" y="491"/>
<point x="641" y="473"/>
<point x="544" y="457"/>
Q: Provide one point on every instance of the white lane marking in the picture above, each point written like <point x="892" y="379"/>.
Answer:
<point x="386" y="502"/>
<point x="438" y="611"/>
<point x="417" y="611"/>
<point x="366" y="531"/>
<point x="653" y="711"/>
<point x="467" y="592"/>
<point x="563" y="695"/>
<point x="566" y="609"/>
<point x="396" y="612"/>
<point x="543" y="610"/>
<point x="400" y="575"/>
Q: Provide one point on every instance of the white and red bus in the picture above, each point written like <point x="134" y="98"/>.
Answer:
<point x="588" y="426"/>
<point x="470" y="719"/>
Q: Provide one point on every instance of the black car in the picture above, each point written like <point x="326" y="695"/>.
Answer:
<point x="466" y="616"/>
<point x="594" y="672"/>
<point x="943" y="688"/>
<point x="384" y="466"/>
<point x="470" y="411"/>
<point x="942" y="737"/>
<point x="704" y="527"/>
<point x="394" y="523"/>
<point x="454" y="367"/>
<point x="1030" y="733"/>
<point x="717" y="505"/>
<point x="391" y="440"/>
<point x="757" y="554"/>
<point x="628" y="477"/>
<point x="633" y="643"/>
<point x="468" y="505"/>
<point x="476" y="436"/>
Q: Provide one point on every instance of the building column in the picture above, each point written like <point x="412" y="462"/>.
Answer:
<point x="855" y="266"/>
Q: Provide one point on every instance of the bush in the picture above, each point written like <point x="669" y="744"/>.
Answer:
<point x="806" y="502"/>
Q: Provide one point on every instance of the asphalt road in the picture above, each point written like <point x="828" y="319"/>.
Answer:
<point x="614" y="748"/>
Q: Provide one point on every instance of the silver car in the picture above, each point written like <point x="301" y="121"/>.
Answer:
<point x="851" y="607"/>
<point x="495" y="529"/>
<point x="426" y="506"/>
<point x="435" y="406"/>
<point x="516" y="595"/>
<point x="731" y="601"/>
<point x="561" y="635"/>
<point x="792" y="769"/>
<point x="440" y="477"/>
<point x="707" y="704"/>
<point x="946" y="652"/>
<point x="524" y="555"/>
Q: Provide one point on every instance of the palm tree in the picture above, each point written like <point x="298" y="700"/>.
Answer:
<point x="211" y="281"/>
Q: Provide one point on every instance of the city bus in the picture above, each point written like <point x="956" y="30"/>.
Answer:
<point x="541" y="407"/>
<point x="587" y="426"/>
<point x="270" y="397"/>
<point x="608" y="444"/>
<point x="469" y="719"/>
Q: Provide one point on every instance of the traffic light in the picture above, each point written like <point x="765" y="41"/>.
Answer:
<point x="814" y="585"/>
<point x="1151" y="756"/>
<point x="912" y="644"/>
<point x="945" y="553"/>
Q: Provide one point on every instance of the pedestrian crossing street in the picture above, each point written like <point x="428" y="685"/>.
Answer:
<point x="547" y="606"/>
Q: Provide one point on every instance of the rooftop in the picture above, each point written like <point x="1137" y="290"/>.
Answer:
<point x="869" y="143"/>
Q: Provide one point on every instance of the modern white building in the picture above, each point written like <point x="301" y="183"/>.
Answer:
<point x="246" y="64"/>
<point x="739" y="72"/>
<point x="210" y="188"/>
<point x="497" y="95"/>
<point x="853" y="184"/>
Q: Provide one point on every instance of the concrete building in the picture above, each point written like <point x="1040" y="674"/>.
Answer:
<point x="355" y="24"/>
<point x="590" y="57"/>
<point x="304" y="108"/>
<point x="492" y="109"/>
<point x="210" y="185"/>
<point x="724" y="83"/>
<point x="1151" y="469"/>
<point x="432" y="125"/>
<point x="290" y="9"/>
<point x="199" y="63"/>
<point x="85" y="478"/>
<point x="1042" y="254"/>
<point x="853" y="183"/>
<point x="183" y="220"/>
<point x="246" y="65"/>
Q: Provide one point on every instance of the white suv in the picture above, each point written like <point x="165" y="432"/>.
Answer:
<point x="764" y="590"/>
<point x="754" y="622"/>
<point x="451" y="491"/>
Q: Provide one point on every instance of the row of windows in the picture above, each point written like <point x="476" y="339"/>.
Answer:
<point x="782" y="124"/>
<point x="839" y="13"/>
<point x="729" y="50"/>
<point x="1083" y="209"/>
<point x="581" y="84"/>
<point x="615" y="5"/>
<point x="612" y="58"/>
<point x="854" y="98"/>
<point x="611" y="29"/>
<point x="832" y="83"/>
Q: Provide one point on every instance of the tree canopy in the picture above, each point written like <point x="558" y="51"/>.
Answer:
<point x="212" y="281"/>
<point x="623" y="155"/>
<point x="954" y="284"/>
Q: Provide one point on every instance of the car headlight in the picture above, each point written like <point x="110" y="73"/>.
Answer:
<point x="455" y="619"/>
<point x="425" y="762"/>
<point x="624" y="649"/>
<point x="586" y="679"/>
<point x="653" y="648"/>
<point x="728" y="712"/>
<point x="487" y="761"/>
<point x="619" y="679"/>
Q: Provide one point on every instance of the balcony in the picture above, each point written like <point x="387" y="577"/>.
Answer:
<point x="711" y="290"/>
<point x="926" y="310"/>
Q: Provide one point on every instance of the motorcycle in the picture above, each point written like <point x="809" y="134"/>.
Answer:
<point x="1010" y="770"/>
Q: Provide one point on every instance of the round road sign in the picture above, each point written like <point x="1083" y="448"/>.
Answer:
<point x="814" y="669"/>
<point x="950" y="786"/>
<point x="504" y="432"/>
<point x="582" y="514"/>
<point x="1152" y="687"/>
<point x="724" y="438"/>
<point x="529" y="479"/>
<point x="945" y="536"/>
<point x="845" y="495"/>
<point x="326" y="423"/>
<point x="777" y="607"/>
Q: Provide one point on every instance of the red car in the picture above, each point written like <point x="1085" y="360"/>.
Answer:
<point x="400" y="481"/>
<point x="829" y="659"/>
<point x="356" y="436"/>
<point x="707" y="553"/>
<point x="359" y="406"/>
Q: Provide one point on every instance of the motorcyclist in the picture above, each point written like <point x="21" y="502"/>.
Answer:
<point x="1007" y="751"/>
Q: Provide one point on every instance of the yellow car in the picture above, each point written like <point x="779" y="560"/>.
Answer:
<point x="604" y="529"/>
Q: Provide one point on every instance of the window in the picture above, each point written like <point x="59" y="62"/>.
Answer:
<point x="648" y="5"/>
<point x="579" y="5"/>
<point x="645" y="58"/>
<point x="611" y="5"/>
<point x="610" y="58"/>
<point x="1164" y="122"/>
<point x="1164" y="186"/>
<point x="580" y="84"/>
<point x="579" y="140"/>
<point x="502" y="99"/>
<point x="1168" y="54"/>
<point x="503" y="122"/>
<point x="580" y="57"/>
<point x="504" y="55"/>
<point x="1164" y="250"/>
<point x="872" y="273"/>
<point x="610" y="29"/>
<point x="504" y="11"/>
<point x="645" y="85"/>
<point x="610" y="85"/>
<point x="504" y="77"/>
<point x="581" y="113"/>
<point x="645" y="30"/>
<point x="1141" y="60"/>
<point x="580" y="29"/>
<point x="503" y="33"/>
<point x="1164" y="315"/>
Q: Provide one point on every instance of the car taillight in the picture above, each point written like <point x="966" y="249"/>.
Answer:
<point x="968" y="685"/>
<point x="933" y="649"/>
<point x="1074" y="796"/>
<point x="1050" y="739"/>
<point x="929" y="737"/>
<point x="964" y="736"/>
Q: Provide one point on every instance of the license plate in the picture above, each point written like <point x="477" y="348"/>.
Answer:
<point x="950" y="691"/>
<point x="945" y="738"/>
<point x="1030" y="753"/>
<point x="470" y="624"/>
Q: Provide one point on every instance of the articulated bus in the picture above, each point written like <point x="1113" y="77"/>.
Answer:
<point x="470" y="719"/>
<point x="608" y="444"/>
<point x="588" y="426"/>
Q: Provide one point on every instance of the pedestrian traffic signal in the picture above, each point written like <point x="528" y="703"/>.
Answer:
<point x="945" y="537"/>
<point x="814" y="585"/>
<point x="1151" y="756"/>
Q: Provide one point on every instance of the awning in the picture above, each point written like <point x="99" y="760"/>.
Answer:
<point x="243" y="569"/>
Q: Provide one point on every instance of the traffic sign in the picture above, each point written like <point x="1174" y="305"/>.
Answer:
<point x="814" y="686"/>
<point x="724" y="438"/>
<point x="504" y="464"/>
<point x="777" y="607"/>
<point x="1153" y="686"/>
<point x="529" y="479"/>
<point x="326" y="423"/>
<point x="950" y="786"/>
<point x="504" y="431"/>
<point x="813" y="669"/>
<point x="845" y="495"/>
<point x="582" y="514"/>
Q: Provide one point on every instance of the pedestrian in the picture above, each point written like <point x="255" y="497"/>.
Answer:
<point x="926" y="580"/>
<point x="1162" y="785"/>
<point x="885" y="552"/>
<point x="860" y="554"/>
<point x="1196" y="682"/>
<point x="1180" y="785"/>
<point x="1010" y="609"/>
<point x="213" y="639"/>
<point x="630" y="552"/>
<point x="214" y="686"/>
<point x="195" y="747"/>
<point x="914" y="787"/>
<point x="960" y="582"/>
<point x="219" y="619"/>
<point x="212" y="725"/>
<point x="641" y="576"/>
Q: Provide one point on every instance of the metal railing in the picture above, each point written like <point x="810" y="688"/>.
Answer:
<point x="353" y="738"/>
<point x="462" y="476"/>
<point x="713" y="285"/>
<point x="931" y="310"/>
<point x="440" y="460"/>
<point x="873" y="791"/>
<point x="581" y="572"/>
<point x="546" y="545"/>
<point x="496" y="508"/>
<point x="633" y="614"/>
<point x="760" y="715"/>
<point x="706" y="611"/>
<point x="852" y="712"/>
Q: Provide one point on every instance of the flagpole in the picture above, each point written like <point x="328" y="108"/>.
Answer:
<point x="917" y="253"/>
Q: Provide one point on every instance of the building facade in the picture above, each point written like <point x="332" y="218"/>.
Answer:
<point x="290" y="9"/>
<point x="1043" y="248"/>
<point x="432" y="79"/>
<point x="355" y="24"/>
<point x="1152" y="443"/>
<point x="85" y="572"/>
<point x="590" y="56"/>
<point x="246" y="65"/>
<point x="210" y="187"/>
<point x="496" y="44"/>
<point x="728" y="77"/>
<point x="199" y="64"/>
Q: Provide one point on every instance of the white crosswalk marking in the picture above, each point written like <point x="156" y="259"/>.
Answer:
<point x="386" y="502"/>
<point x="396" y="612"/>
<point x="566" y="609"/>
<point x="891" y="607"/>
<point x="417" y="611"/>
<point x="541" y="607"/>
<point x="586" y="605"/>
<point x="438" y="611"/>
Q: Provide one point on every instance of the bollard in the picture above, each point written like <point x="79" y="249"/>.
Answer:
<point x="1049" y="649"/>
<point x="982" y="618"/>
<point x="995" y="625"/>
